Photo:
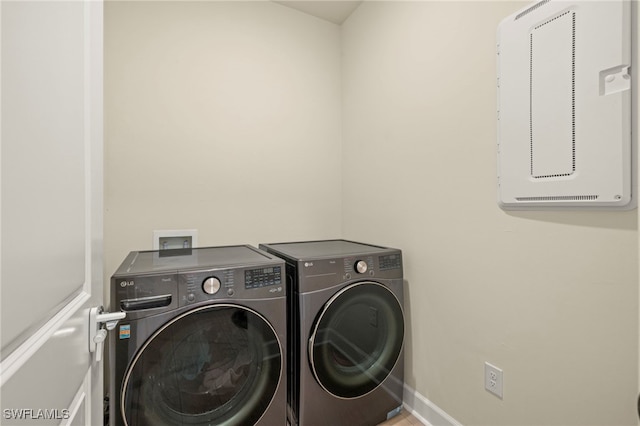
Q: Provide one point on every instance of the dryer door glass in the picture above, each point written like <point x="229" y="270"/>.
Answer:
<point x="213" y="365"/>
<point x="357" y="340"/>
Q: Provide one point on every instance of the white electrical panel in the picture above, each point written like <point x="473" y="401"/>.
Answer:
<point x="564" y="106"/>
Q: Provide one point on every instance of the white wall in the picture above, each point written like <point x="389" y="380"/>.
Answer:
<point x="220" y="116"/>
<point x="551" y="298"/>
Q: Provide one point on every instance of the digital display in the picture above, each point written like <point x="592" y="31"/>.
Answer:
<point x="263" y="277"/>
<point x="392" y="261"/>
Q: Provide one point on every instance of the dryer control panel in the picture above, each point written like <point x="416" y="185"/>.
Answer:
<point x="322" y="273"/>
<point x="390" y="261"/>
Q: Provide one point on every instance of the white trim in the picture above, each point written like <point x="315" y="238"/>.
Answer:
<point x="94" y="85"/>
<point x="0" y="171"/>
<point x="87" y="136"/>
<point x="81" y="396"/>
<point x="426" y="411"/>
<point x="25" y="351"/>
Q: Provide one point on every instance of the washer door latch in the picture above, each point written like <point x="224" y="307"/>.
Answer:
<point x="100" y="323"/>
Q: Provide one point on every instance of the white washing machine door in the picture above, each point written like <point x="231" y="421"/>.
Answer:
<point x="356" y="339"/>
<point x="218" y="364"/>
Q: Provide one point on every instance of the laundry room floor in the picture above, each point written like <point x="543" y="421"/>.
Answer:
<point x="403" y="419"/>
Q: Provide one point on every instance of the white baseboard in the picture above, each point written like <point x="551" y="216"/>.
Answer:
<point x="426" y="411"/>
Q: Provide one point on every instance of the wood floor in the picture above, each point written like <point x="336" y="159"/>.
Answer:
<point x="403" y="419"/>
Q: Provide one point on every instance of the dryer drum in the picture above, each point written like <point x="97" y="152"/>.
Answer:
<point x="213" y="365"/>
<point x="357" y="339"/>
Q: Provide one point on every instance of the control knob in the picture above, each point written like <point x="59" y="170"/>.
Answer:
<point x="211" y="285"/>
<point x="361" y="266"/>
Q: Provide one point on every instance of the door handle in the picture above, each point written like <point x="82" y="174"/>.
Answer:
<point x="100" y="323"/>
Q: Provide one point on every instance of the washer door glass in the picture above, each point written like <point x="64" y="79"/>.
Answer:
<point x="214" y="365"/>
<point x="356" y="340"/>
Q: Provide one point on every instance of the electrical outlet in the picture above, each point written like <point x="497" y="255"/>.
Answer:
<point x="493" y="379"/>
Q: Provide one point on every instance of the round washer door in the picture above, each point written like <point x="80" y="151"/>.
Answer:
<point x="217" y="364"/>
<point x="356" y="339"/>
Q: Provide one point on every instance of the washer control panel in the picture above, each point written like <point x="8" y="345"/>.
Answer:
<point x="262" y="277"/>
<point x="238" y="283"/>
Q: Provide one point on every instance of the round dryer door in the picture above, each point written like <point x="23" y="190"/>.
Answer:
<point x="356" y="339"/>
<point x="218" y="365"/>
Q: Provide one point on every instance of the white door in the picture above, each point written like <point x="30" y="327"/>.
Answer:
<point x="51" y="211"/>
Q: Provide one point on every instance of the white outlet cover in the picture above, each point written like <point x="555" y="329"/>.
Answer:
<point x="493" y="379"/>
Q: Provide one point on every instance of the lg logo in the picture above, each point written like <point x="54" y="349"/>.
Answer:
<point x="126" y="283"/>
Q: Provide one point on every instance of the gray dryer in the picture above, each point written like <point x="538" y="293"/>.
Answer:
<point x="345" y="332"/>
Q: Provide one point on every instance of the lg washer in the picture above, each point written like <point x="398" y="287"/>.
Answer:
<point x="204" y="338"/>
<point x="346" y="332"/>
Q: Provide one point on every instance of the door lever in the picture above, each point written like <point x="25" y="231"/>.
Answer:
<point x="100" y="323"/>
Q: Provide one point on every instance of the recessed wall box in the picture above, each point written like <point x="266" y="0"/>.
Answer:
<point x="564" y="106"/>
<point x="171" y="239"/>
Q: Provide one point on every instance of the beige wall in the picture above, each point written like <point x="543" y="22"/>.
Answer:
<point x="243" y="120"/>
<point x="551" y="298"/>
<point x="220" y="116"/>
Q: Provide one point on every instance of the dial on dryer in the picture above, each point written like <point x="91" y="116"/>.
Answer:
<point x="211" y="285"/>
<point x="361" y="266"/>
